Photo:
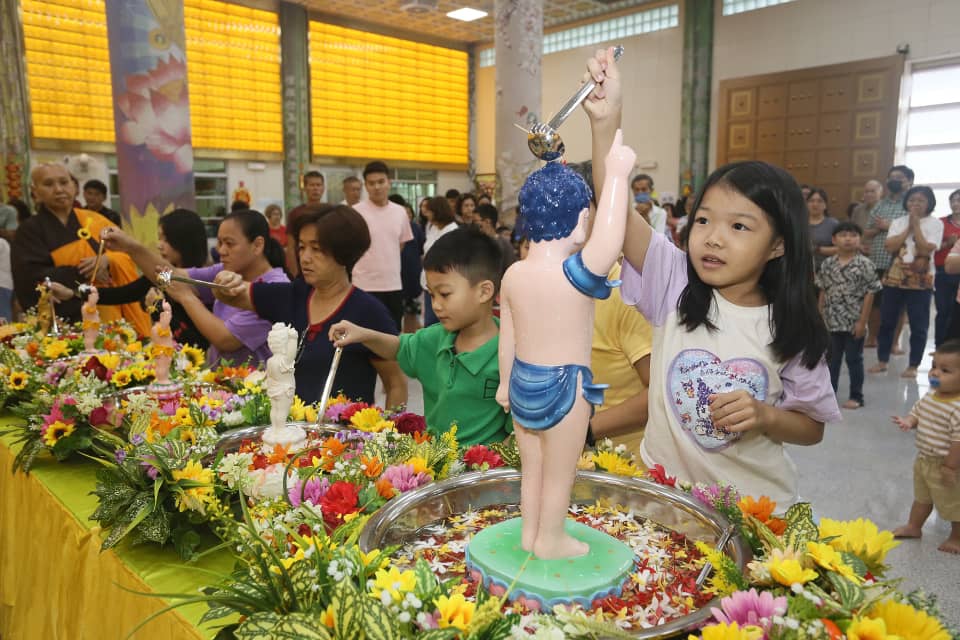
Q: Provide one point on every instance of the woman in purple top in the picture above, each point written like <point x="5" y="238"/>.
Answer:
<point x="329" y="242"/>
<point x="245" y="247"/>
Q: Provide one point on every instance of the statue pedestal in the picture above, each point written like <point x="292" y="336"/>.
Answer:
<point x="289" y="437"/>
<point x="497" y="562"/>
<point x="165" y="391"/>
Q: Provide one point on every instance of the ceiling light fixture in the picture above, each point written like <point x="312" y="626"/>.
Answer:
<point x="467" y="14"/>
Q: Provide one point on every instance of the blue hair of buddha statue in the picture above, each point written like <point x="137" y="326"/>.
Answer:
<point x="551" y="201"/>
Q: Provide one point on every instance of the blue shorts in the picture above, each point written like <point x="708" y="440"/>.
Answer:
<point x="540" y="396"/>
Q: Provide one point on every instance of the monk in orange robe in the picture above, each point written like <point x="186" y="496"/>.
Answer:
<point x="62" y="243"/>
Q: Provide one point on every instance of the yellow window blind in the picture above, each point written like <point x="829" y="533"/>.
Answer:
<point x="374" y="96"/>
<point x="233" y="67"/>
<point x="233" y="70"/>
<point x="68" y="69"/>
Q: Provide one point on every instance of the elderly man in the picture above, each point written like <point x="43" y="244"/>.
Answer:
<point x="62" y="243"/>
<point x="872" y="193"/>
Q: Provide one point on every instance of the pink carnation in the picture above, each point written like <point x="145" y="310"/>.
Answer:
<point x="750" y="607"/>
<point x="312" y="492"/>
<point x="403" y="479"/>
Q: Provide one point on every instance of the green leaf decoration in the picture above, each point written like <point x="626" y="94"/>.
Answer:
<point x="139" y="509"/>
<point x="154" y="528"/>
<point x="508" y="451"/>
<point x="850" y="594"/>
<point x="426" y="581"/>
<point x="859" y="566"/>
<point x="227" y="633"/>
<point x="438" y="634"/>
<point x="65" y="447"/>
<point x="801" y="527"/>
<point x="378" y="623"/>
<point x="268" y="625"/>
<point x="216" y="612"/>
<point x="348" y="611"/>
<point x="499" y="628"/>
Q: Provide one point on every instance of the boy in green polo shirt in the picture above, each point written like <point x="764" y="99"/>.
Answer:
<point x="455" y="360"/>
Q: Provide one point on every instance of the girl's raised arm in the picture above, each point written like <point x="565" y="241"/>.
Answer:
<point x="604" y="108"/>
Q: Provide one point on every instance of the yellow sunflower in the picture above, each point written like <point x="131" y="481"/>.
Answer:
<point x="790" y="572"/>
<point x="18" y="380"/>
<point x="455" y="611"/>
<point x="868" y="629"/>
<point x="121" y="378"/>
<point x="55" y="431"/>
<point x="195" y="357"/>
<point x="612" y="463"/>
<point x="56" y="349"/>
<point x="194" y="498"/>
<point x="831" y="560"/>
<point x="370" y="419"/>
<point x="732" y="631"/>
<point x="907" y="623"/>
<point x="860" y="537"/>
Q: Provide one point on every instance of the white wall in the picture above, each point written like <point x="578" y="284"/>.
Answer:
<point x="264" y="184"/>
<point x="454" y="180"/>
<point x="652" y="85"/>
<point x="812" y="33"/>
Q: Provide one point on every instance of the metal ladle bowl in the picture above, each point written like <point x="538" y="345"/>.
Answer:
<point x="543" y="140"/>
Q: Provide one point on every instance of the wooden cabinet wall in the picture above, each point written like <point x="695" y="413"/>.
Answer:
<point x="833" y="127"/>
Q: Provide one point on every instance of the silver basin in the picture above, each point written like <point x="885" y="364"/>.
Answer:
<point x="230" y="441"/>
<point x="397" y="521"/>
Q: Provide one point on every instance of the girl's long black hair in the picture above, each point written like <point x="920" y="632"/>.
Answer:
<point x="787" y="281"/>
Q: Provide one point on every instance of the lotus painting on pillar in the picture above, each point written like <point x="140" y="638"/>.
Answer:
<point x="151" y="111"/>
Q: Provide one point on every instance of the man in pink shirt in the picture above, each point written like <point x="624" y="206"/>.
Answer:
<point x="378" y="271"/>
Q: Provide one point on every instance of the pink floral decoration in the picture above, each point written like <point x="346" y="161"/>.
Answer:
<point x="157" y="113"/>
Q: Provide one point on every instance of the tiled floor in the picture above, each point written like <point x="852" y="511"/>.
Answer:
<point x="863" y="468"/>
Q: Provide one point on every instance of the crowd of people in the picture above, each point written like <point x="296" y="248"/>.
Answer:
<point x="750" y="295"/>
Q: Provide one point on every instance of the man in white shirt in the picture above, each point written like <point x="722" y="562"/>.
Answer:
<point x="646" y="206"/>
<point x="378" y="271"/>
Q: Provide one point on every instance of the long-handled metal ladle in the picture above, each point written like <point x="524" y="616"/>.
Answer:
<point x="543" y="139"/>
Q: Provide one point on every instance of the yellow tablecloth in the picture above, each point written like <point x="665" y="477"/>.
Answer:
<point x="55" y="584"/>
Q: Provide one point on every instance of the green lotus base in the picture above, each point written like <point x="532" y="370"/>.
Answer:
<point x="496" y="560"/>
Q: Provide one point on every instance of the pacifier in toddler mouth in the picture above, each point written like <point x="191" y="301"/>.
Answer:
<point x="934" y="382"/>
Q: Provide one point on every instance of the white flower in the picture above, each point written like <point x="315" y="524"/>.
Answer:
<point x="266" y="483"/>
<point x="232" y="419"/>
<point x="233" y="469"/>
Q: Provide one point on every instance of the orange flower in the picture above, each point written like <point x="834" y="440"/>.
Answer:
<point x="109" y="344"/>
<point x="421" y="436"/>
<point x="385" y="488"/>
<point x="33" y="348"/>
<point x="162" y="426"/>
<point x="776" y="525"/>
<point x="372" y="467"/>
<point x="332" y="447"/>
<point x="760" y="509"/>
<point x="279" y="454"/>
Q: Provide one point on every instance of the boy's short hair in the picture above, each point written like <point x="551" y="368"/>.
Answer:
<point x="949" y="347"/>
<point x="468" y="251"/>
<point x="642" y="176"/>
<point x="376" y="167"/>
<point x="847" y="225"/>
<point x="488" y="212"/>
<point x="551" y="201"/>
<point x="451" y="193"/>
<point x="351" y="180"/>
<point x="96" y="185"/>
<point x="313" y="174"/>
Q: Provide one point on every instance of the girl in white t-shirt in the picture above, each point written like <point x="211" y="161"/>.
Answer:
<point x="737" y="367"/>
